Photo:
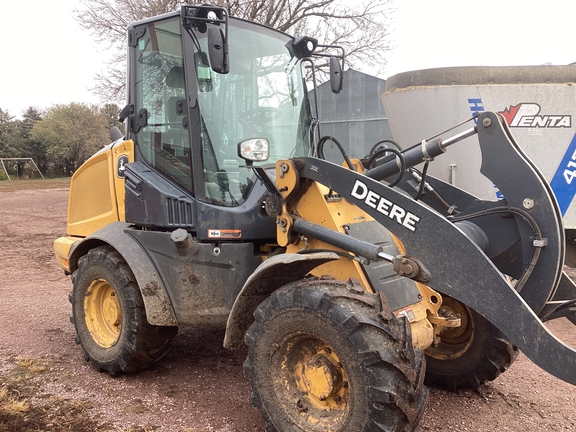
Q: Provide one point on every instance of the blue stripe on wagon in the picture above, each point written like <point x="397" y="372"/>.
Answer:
<point x="564" y="181"/>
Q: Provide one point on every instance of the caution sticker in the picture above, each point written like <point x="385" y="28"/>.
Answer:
<point x="225" y="234"/>
<point x="406" y="312"/>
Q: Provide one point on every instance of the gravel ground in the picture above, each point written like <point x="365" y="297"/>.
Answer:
<point x="198" y="386"/>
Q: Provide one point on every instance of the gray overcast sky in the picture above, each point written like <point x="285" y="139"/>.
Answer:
<point x="441" y="33"/>
<point x="48" y="59"/>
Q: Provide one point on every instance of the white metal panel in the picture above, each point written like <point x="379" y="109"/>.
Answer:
<point x="540" y="116"/>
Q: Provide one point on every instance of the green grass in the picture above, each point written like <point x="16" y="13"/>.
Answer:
<point x="49" y="183"/>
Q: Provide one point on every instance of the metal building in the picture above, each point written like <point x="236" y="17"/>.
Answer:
<point x="355" y="116"/>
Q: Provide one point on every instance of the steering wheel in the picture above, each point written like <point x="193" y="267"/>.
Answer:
<point x="258" y="116"/>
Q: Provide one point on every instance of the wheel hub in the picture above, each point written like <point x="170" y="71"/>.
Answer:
<point x="321" y="378"/>
<point x="454" y="342"/>
<point x="103" y="313"/>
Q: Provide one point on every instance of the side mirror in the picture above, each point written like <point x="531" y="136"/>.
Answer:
<point x="335" y="75"/>
<point x="218" y="50"/>
<point x="115" y="134"/>
<point x="198" y="17"/>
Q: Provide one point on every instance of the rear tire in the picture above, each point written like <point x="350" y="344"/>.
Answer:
<point x="470" y="355"/>
<point x="322" y="357"/>
<point x="109" y="316"/>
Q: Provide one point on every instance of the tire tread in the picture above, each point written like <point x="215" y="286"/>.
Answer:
<point x="397" y="396"/>
<point x="141" y="343"/>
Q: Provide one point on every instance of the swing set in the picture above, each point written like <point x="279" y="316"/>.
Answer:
<point x="20" y="165"/>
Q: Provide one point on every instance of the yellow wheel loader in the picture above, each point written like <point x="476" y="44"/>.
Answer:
<point x="218" y="209"/>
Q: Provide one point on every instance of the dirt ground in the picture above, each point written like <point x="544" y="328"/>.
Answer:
<point x="45" y="384"/>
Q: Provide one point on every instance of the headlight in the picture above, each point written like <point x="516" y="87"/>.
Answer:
<point x="254" y="149"/>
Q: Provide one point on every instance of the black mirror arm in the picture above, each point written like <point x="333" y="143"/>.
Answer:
<point x="264" y="178"/>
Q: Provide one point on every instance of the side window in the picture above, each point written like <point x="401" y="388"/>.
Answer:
<point x="161" y="107"/>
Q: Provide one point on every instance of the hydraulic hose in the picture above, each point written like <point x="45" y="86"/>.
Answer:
<point x="533" y="224"/>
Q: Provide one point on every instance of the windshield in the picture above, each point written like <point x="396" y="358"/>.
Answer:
<point x="263" y="96"/>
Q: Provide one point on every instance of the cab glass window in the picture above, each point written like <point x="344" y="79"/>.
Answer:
<point x="262" y="96"/>
<point x="160" y="106"/>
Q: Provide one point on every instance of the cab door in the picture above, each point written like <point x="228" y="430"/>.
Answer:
<point x="160" y="122"/>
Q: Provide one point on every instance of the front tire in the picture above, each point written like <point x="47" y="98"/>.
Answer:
<point x="109" y="316"/>
<point x="470" y="355"/>
<point x="322" y="357"/>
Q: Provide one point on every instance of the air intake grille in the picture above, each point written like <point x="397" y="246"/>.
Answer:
<point x="179" y="213"/>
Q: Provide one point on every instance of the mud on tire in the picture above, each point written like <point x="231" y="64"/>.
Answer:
<point x="471" y="355"/>
<point x="323" y="355"/>
<point x="109" y="316"/>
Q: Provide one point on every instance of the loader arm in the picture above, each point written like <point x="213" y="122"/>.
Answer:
<point x="454" y="263"/>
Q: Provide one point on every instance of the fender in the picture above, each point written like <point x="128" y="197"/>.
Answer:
<point x="158" y="306"/>
<point x="272" y="274"/>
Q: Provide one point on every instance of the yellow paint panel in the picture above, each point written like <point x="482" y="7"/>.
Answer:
<point x="62" y="248"/>
<point x="97" y="192"/>
<point x="334" y="215"/>
<point x="92" y="201"/>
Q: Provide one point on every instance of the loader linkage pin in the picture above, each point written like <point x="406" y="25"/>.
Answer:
<point x="410" y="268"/>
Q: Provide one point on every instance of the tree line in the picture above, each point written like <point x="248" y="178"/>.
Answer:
<point x="60" y="138"/>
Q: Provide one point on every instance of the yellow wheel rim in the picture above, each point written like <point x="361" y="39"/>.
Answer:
<point x="454" y="341"/>
<point x="312" y="383"/>
<point x="322" y="380"/>
<point x="103" y="313"/>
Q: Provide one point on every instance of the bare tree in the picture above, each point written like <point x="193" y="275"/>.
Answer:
<point x="359" y="26"/>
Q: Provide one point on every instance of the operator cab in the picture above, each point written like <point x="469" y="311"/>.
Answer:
<point x="200" y="84"/>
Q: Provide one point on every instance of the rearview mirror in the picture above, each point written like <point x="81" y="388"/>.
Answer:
<point x="218" y="50"/>
<point x="335" y="75"/>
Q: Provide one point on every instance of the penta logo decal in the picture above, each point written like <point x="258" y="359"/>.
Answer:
<point x="527" y="115"/>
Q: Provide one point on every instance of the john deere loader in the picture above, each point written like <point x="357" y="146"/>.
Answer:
<point x="351" y="285"/>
